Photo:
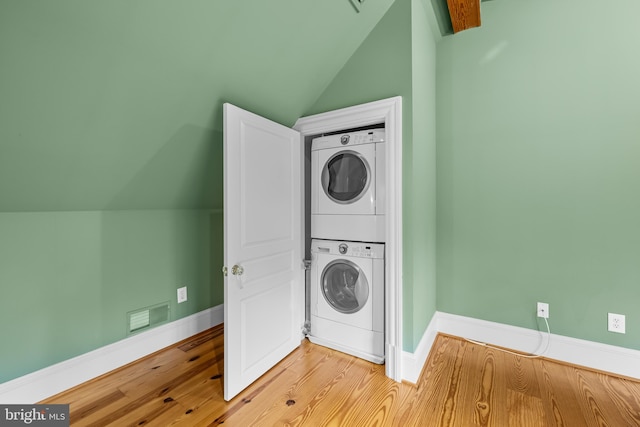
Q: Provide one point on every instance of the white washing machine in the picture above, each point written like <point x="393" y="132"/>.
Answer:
<point x="347" y="297"/>
<point x="348" y="186"/>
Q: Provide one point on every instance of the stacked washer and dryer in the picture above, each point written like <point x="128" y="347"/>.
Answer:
<point x="347" y="247"/>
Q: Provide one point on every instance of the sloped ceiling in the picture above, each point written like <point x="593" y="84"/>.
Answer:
<point x="118" y="104"/>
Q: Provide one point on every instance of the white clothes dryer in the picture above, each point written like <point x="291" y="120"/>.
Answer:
<point x="347" y="297"/>
<point x="348" y="186"/>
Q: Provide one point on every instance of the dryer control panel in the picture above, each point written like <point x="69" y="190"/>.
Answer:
<point x="373" y="136"/>
<point x="362" y="137"/>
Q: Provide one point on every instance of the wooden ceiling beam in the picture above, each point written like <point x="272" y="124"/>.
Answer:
<point x="464" y="14"/>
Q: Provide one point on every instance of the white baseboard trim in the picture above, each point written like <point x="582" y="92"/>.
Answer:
<point x="590" y="354"/>
<point x="412" y="363"/>
<point x="54" y="379"/>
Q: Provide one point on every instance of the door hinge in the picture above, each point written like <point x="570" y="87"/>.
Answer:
<point x="307" y="264"/>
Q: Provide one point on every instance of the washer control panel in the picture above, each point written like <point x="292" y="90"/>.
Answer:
<point x="352" y="249"/>
<point x="361" y="251"/>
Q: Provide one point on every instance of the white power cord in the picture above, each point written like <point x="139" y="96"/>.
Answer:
<point x="527" y="356"/>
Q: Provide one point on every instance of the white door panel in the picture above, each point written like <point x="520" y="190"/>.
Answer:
<point x="262" y="335"/>
<point x="263" y="236"/>
<point x="266" y="188"/>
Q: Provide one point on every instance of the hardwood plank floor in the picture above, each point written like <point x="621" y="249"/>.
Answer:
<point x="463" y="384"/>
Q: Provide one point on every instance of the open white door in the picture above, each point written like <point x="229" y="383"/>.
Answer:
<point x="264" y="287"/>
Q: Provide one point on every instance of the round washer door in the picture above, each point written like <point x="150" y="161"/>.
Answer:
<point x="344" y="286"/>
<point x="346" y="177"/>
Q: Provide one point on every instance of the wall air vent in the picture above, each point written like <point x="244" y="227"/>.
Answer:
<point x="147" y="318"/>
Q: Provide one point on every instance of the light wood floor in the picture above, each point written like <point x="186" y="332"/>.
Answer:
<point x="463" y="384"/>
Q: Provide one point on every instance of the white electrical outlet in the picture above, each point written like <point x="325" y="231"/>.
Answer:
<point x="543" y="310"/>
<point x="182" y="294"/>
<point x="616" y="323"/>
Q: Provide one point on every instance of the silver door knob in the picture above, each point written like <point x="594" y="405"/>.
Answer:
<point x="224" y="270"/>
<point x="237" y="270"/>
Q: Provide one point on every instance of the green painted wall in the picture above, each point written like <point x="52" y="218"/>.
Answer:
<point x="538" y="171"/>
<point x="398" y="58"/>
<point x="422" y="197"/>
<point x="118" y="104"/>
<point x="50" y="308"/>
<point x="69" y="278"/>
<point x="110" y="150"/>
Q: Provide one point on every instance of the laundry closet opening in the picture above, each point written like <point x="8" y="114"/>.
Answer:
<point x="344" y="242"/>
<point x="277" y="213"/>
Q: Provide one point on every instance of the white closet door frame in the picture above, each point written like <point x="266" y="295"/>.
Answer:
<point x="389" y="112"/>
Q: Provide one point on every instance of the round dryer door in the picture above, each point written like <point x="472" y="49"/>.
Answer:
<point x="344" y="286"/>
<point x="346" y="177"/>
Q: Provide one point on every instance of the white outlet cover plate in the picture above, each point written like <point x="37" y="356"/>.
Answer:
<point x="543" y="310"/>
<point x="616" y="323"/>
<point x="182" y="294"/>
